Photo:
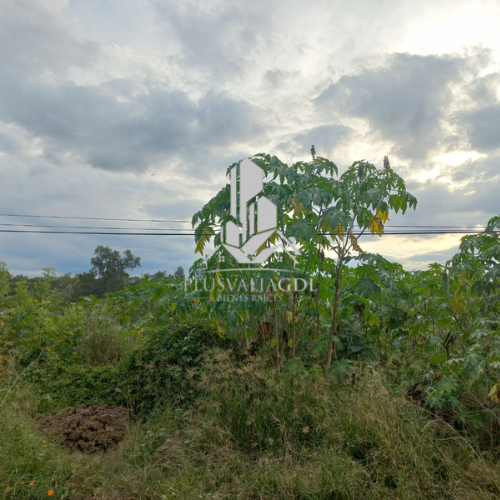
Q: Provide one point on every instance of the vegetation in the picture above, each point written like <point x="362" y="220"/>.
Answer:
<point x="108" y="274"/>
<point x="378" y="383"/>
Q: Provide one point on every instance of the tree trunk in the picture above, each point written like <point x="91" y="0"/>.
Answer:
<point x="333" y="329"/>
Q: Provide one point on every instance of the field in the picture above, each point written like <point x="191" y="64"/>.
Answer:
<point x="371" y="382"/>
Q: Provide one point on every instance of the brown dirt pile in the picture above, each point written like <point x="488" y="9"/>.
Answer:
<point x="96" y="428"/>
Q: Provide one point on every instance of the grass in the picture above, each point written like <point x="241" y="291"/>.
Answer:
<point x="249" y="436"/>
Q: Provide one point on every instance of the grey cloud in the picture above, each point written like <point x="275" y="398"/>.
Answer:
<point x="324" y="138"/>
<point x="481" y="170"/>
<point x="437" y="205"/>
<point x="94" y="126"/>
<point x="222" y="119"/>
<point x="7" y="144"/>
<point x="482" y="127"/>
<point x="32" y="41"/>
<point x="277" y="77"/>
<point x="107" y="126"/>
<point x="403" y="102"/>
<point x="483" y="91"/>
<point x="215" y="45"/>
<point x="218" y="39"/>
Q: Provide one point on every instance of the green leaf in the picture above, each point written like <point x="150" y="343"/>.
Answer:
<point x="366" y="287"/>
<point x="440" y="358"/>
<point x="333" y="216"/>
<point x="302" y="230"/>
<point x="341" y="368"/>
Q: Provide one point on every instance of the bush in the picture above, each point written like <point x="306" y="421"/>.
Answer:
<point x="164" y="367"/>
<point x="80" y="384"/>
<point x="161" y="370"/>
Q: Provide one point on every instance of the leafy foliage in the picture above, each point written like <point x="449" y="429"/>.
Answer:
<point x="323" y="374"/>
<point x="162" y="368"/>
<point x="80" y="384"/>
<point x="327" y="214"/>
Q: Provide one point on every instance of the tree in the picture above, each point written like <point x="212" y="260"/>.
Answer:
<point x="108" y="263"/>
<point x="87" y="284"/>
<point x="156" y="276"/>
<point x="108" y="273"/>
<point x="327" y="214"/>
<point x="179" y="274"/>
<point x="64" y="285"/>
<point x="4" y="282"/>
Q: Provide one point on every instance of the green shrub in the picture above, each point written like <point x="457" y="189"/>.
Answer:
<point x="163" y="368"/>
<point x="80" y="384"/>
<point x="160" y="371"/>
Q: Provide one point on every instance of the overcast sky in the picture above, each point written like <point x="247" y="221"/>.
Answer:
<point x="134" y="109"/>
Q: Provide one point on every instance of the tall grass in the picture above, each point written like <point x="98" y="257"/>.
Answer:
<point x="103" y="338"/>
<point x="251" y="435"/>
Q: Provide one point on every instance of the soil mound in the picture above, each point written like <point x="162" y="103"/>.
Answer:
<point x="88" y="429"/>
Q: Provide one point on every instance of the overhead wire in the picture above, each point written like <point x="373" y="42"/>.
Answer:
<point x="97" y="227"/>
<point x="107" y="233"/>
<point x="89" y="218"/>
<point x="401" y="230"/>
<point x="437" y="226"/>
<point x="431" y="231"/>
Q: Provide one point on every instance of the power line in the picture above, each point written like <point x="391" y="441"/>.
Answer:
<point x="98" y="227"/>
<point x="188" y="229"/>
<point x="188" y="221"/>
<point x="387" y="233"/>
<point x="93" y="232"/>
<point x="478" y="226"/>
<point x="90" y="218"/>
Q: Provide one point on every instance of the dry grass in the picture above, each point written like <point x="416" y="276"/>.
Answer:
<point x="253" y="437"/>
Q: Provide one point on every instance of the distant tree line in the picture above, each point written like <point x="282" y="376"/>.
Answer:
<point x="108" y="274"/>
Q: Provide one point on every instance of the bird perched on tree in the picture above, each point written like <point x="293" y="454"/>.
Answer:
<point x="387" y="165"/>
<point x="361" y="170"/>
<point x="313" y="152"/>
